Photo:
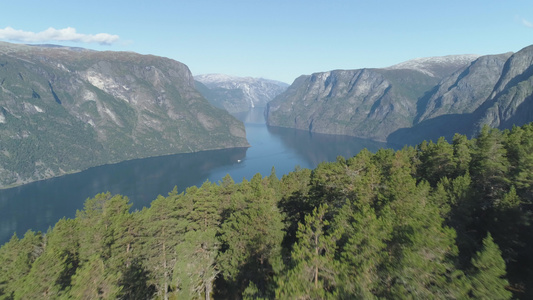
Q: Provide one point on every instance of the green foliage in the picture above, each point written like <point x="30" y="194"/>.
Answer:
<point x="436" y="161"/>
<point x="314" y="269"/>
<point x="408" y="224"/>
<point x="46" y="278"/>
<point x="364" y="253"/>
<point x="251" y="238"/>
<point x="103" y="282"/>
<point x="17" y="257"/>
<point x="488" y="273"/>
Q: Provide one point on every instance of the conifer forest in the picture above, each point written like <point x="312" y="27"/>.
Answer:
<point x="442" y="220"/>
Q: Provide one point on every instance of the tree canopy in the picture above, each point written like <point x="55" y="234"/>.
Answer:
<point x="436" y="221"/>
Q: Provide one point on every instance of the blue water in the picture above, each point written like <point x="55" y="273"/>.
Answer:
<point x="41" y="204"/>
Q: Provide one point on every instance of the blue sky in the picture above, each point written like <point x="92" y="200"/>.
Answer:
<point x="275" y="39"/>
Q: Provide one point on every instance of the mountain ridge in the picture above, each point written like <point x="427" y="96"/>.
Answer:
<point x="238" y="94"/>
<point x="62" y="111"/>
<point x="415" y="100"/>
<point x="433" y="66"/>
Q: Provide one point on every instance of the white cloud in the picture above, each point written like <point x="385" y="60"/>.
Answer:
<point x="527" y="23"/>
<point x="60" y="35"/>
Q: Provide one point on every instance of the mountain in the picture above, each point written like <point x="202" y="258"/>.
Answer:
<point x="419" y="99"/>
<point x="495" y="90"/>
<point x="511" y="101"/>
<point x="466" y="89"/>
<point x="440" y="66"/>
<point x="63" y="110"/>
<point x="367" y="103"/>
<point x="238" y="94"/>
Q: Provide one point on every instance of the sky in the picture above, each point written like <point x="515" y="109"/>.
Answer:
<point x="276" y="39"/>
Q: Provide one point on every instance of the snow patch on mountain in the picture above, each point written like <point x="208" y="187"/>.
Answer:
<point x="255" y="92"/>
<point x="432" y="65"/>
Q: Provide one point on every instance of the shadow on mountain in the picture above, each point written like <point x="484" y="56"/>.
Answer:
<point x="523" y="115"/>
<point x="317" y="147"/>
<point x="446" y="126"/>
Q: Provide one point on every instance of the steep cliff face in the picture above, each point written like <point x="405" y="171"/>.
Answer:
<point x="367" y="103"/>
<point x="495" y="90"/>
<point x="238" y="94"/>
<point x="466" y="89"/>
<point x="64" y="110"/>
<point x="416" y="100"/>
<point x="511" y="101"/>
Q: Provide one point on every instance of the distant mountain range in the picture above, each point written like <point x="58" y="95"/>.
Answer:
<point x="238" y="94"/>
<point x="419" y="99"/>
<point x="66" y="109"/>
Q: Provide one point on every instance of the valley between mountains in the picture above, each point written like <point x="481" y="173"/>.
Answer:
<point x="63" y="109"/>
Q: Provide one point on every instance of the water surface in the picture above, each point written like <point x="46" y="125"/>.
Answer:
<point x="41" y="204"/>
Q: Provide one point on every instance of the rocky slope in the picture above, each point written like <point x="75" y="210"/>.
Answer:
<point x="466" y="89"/>
<point x="238" y="94"/>
<point x="511" y="101"/>
<point x="440" y="66"/>
<point x="412" y="101"/>
<point x="367" y="103"/>
<point x="64" y="110"/>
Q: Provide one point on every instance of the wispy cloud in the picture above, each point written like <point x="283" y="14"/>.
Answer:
<point x="527" y="23"/>
<point x="68" y="34"/>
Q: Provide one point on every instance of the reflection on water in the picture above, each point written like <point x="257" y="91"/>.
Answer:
<point x="41" y="204"/>
<point x="317" y="147"/>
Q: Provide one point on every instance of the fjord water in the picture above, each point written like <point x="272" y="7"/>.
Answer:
<point x="41" y="204"/>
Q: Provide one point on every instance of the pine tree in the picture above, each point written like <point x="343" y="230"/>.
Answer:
<point x="436" y="161"/>
<point x="17" y="257"/>
<point x="461" y="154"/>
<point x="196" y="269"/>
<point x="488" y="275"/>
<point x="489" y="166"/>
<point x="364" y="253"/>
<point x="252" y="239"/>
<point x="94" y="281"/>
<point x="97" y="224"/>
<point x="314" y="269"/>
<point x="162" y="231"/>
<point x="422" y="252"/>
<point x="46" y="277"/>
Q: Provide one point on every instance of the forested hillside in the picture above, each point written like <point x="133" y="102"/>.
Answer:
<point x="63" y="110"/>
<point x="437" y="221"/>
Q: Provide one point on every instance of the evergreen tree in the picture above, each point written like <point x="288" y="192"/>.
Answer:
<point x="46" y="277"/>
<point x="314" y="269"/>
<point x="196" y="269"/>
<point x="364" y="253"/>
<point x="294" y="203"/>
<point x="94" y="281"/>
<point x="436" y="161"/>
<point x="366" y="179"/>
<point x="252" y="239"/>
<point x="488" y="275"/>
<point x="489" y="166"/>
<point x="422" y="251"/>
<point x="17" y="257"/>
<point x="97" y="224"/>
<point x="162" y="231"/>
<point x="461" y="154"/>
